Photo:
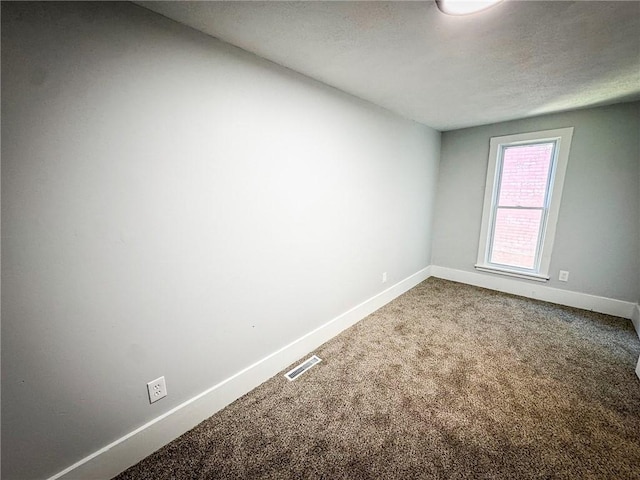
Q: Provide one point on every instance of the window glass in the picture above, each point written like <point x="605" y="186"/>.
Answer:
<point x="522" y="197"/>
<point x="525" y="175"/>
<point x="522" y="200"/>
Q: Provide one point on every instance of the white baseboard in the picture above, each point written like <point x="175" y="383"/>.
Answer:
<point x="141" y="442"/>
<point x="610" y="306"/>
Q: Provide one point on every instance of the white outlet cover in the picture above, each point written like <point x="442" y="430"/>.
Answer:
<point x="157" y="389"/>
<point x="564" y="276"/>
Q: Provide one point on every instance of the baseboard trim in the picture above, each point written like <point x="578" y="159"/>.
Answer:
<point x="143" y="441"/>
<point x="610" y="306"/>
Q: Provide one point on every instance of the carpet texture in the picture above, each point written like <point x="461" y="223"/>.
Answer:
<point x="448" y="381"/>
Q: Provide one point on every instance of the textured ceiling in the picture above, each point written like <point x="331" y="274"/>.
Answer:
<point x="518" y="59"/>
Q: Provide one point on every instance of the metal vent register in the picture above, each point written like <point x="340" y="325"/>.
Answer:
<point x="300" y="369"/>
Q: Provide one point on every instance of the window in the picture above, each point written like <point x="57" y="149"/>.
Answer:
<point x="522" y="201"/>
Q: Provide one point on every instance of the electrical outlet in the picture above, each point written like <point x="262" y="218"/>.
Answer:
<point x="384" y="277"/>
<point x="157" y="389"/>
<point x="564" y="276"/>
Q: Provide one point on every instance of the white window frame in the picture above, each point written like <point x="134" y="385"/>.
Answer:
<point x="560" y="158"/>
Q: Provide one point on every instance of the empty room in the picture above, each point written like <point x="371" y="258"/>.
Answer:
<point x="320" y="240"/>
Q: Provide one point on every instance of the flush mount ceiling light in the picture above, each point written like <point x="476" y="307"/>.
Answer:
<point x="464" y="7"/>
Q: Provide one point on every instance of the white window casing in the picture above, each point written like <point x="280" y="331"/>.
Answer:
<point x="561" y="138"/>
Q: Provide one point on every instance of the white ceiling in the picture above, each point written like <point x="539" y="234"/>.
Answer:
<point x="517" y="59"/>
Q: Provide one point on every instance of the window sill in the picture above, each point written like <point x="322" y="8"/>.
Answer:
<point x="512" y="273"/>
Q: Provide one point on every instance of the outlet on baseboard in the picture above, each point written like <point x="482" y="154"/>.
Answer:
<point x="384" y="277"/>
<point x="564" y="276"/>
<point x="157" y="389"/>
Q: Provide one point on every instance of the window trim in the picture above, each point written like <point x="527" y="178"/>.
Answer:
<point x="562" y="137"/>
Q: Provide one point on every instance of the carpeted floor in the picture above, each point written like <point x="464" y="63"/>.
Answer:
<point x="448" y="381"/>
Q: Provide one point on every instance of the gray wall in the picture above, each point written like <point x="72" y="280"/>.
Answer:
<point x="597" y="237"/>
<point x="174" y="206"/>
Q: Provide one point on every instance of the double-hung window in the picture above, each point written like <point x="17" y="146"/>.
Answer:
<point x="521" y="203"/>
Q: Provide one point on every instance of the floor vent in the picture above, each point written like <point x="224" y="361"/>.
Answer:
<point x="300" y="369"/>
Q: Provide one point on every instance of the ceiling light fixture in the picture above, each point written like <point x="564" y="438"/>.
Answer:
<point x="464" y="7"/>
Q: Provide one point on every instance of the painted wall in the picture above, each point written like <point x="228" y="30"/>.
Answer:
<point x="174" y="206"/>
<point x="597" y="237"/>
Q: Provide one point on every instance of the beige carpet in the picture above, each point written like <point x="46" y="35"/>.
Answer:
<point x="448" y="381"/>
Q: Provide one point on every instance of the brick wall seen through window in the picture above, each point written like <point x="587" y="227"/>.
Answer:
<point x="521" y="199"/>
